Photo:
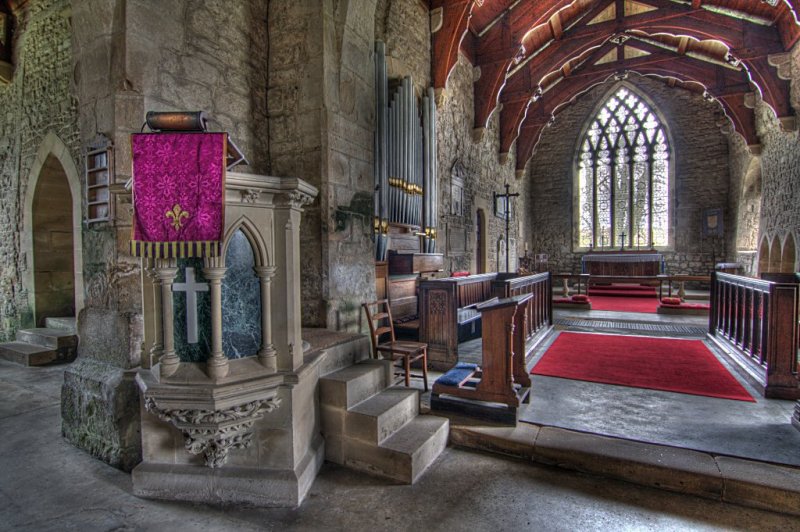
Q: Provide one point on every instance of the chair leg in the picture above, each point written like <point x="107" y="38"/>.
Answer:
<point x="407" y="363"/>
<point x="425" y="368"/>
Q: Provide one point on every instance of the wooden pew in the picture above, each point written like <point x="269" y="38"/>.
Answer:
<point x="447" y="314"/>
<point x="500" y="378"/>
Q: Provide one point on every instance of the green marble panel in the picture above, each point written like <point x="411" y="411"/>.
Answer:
<point x="241" y="300"/>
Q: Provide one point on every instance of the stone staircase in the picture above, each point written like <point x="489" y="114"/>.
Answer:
<point x="377" y="429"/>
<point x="57" y="341"/>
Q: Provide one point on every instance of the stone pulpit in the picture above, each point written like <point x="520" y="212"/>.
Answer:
<point x="229" y="412"/>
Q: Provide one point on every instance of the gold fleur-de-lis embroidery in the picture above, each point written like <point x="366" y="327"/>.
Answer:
<point x="177" y="214"/>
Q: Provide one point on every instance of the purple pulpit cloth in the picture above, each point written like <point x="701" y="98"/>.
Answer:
<point x="178" y="194"/>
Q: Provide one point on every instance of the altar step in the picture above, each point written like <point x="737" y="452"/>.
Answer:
<point x="43" y="345"/>
<point x="376" y="429"/>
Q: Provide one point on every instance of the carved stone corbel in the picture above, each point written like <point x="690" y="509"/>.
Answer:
<point x="298" y="199"/>
<point x="214" y="433"/>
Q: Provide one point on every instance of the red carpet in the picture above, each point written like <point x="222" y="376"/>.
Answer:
<point x="672" y="365"/>
<point x="625" y="304"/>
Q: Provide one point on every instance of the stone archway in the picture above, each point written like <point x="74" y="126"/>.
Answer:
<point x="51" y="237"/>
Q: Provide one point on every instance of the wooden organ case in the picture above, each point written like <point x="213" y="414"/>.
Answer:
<point x="405" y="201"/>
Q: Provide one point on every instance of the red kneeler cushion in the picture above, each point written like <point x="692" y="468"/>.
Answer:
<point x="580" y="298"/>
<point x="671" y="300"/>
<point x="460" y="274"/>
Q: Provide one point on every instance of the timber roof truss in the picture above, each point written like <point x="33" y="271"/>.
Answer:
<point x="534" y="57"/>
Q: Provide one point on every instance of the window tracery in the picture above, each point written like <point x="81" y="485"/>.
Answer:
<point x="623" y="176"/>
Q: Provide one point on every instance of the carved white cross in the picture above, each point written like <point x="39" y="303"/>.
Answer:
<point x="191" y="287"/>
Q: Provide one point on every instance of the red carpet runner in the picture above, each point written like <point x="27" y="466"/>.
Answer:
<point x="624" y="298"/>
<point x="672" y="365"/>
<point x="625" y="304"/>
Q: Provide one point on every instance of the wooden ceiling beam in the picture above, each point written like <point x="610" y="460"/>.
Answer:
<point x="683" y="68"/>
<point x="446" y="39"/>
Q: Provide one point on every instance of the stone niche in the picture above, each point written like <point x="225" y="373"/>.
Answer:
<point x="228" y="403"/>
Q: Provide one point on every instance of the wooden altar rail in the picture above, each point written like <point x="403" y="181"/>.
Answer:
<point x="539" y="309"/>
<point x="756" y="321"/>
<point x="585" y="281"/>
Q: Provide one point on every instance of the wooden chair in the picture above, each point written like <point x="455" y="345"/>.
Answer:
<point x="405" y="351"/>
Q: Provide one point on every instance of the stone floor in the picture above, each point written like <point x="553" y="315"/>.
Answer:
<point x="758" y="431"/>
<point x="46" y="484"/>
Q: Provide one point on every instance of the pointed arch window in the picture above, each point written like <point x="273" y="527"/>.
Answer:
<point x="624" y="176"/>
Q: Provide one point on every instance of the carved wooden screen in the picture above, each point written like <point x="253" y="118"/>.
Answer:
<point x="623" y="176"/>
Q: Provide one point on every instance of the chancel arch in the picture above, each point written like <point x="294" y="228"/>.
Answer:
<point x="624" y="190"/>
<point x="52" y="237"/>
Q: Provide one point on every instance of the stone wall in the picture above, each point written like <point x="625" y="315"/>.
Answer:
<point x="479" y="163"/>
<point x="40" y="99"/>
<point x="780" y="173"/>
<point x="321" y="109"/>
<point x="745" y="198"/>
<point x="701" y="177"/>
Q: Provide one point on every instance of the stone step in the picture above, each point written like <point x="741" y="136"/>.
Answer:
<point x="405" y="455"/>
<point x="64" y="323"/>
<point x="349" y="386"/>
<point x="27" y="354"/>
<point x="48" y="337"/>
<point x="379" y="417"/>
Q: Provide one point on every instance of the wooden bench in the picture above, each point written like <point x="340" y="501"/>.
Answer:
<point x="449" y="313"/>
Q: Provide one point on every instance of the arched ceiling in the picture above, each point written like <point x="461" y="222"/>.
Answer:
<point x="535" y="56"/>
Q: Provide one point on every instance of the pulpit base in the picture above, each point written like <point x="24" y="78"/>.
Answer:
<point x="268" y="488"/>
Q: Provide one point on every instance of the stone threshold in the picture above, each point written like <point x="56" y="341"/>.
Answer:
<point x="723" y="478"/>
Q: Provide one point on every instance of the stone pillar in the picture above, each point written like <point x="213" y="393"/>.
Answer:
<point x="156" y="350"/>
<point x="166" y="270"/>
<point x="287" y="325"/>
<point x="267" y="354"/>
<point x="217" y="364"/>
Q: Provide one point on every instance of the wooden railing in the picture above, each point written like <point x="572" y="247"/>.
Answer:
<point x="539" y="310"/>
<point x="475" y="289"/>
<point x="757" y="322"/>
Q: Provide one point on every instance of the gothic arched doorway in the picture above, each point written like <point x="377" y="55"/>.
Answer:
<point x="52" y="234"/>
<point x="53" y="244"/>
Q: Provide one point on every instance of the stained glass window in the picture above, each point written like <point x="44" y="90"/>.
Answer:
<point x="623" y="176"/>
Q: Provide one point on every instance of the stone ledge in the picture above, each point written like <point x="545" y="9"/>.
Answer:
<point x="733" y="480"/>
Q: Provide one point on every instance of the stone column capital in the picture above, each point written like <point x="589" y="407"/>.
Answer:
<point x="214" y="273"/>
<point x="265" y="272"/>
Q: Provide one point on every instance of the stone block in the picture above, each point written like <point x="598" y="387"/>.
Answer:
<point x="515" y="441"/>
<point x="348" y="387"/>
<point x="760" y="485"/>
<point x="100" y="412"/>
<point x="669" y="468"/>
<point x="113" y="337"/>
<point x="378" y="417"/>
<point x="27" y="354"/>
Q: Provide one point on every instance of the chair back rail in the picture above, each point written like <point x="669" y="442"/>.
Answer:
<point x="757" y="321"/>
